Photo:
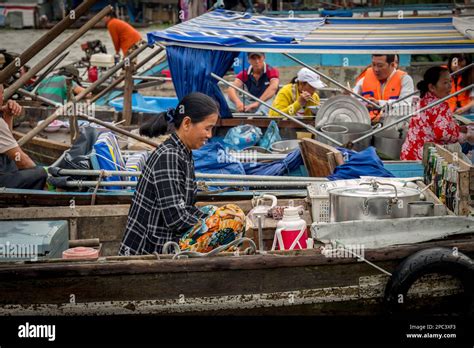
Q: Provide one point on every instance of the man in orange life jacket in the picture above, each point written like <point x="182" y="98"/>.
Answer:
<point x="383" y="84"/>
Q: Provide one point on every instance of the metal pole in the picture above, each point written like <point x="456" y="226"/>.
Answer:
<point x="86" y="172"/>
<point x="375" y="105"/>
<point x="416" y="92"/>
<point x="44" y="40"/>
<point x="381" y="129"/>
<point x="201" y="184"/>
<point x="308" y="127"/>
<point x="151" y="78"/>
<point x="56" y="52"/>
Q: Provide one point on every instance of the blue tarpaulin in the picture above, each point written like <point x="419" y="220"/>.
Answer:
<point x="215" y="158"/>
<point x="276" y="168"/>
<point x="191" y="69"/>
<point x="363" y="163"/>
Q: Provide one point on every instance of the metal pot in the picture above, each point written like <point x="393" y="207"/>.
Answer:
<point x="285" y="146"/>
<point x="370" y="203"/>
<point x="354" y="130"/>
<point x="389" y="143"/>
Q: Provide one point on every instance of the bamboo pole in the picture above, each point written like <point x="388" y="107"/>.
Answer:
<point x="127" y="94"/>
<point x="121" y="78"/>
<point x="117" y="129"/>
<point x="56" y="52"/>
<point x="30" y="135"/>
<point x="44" y="40"/>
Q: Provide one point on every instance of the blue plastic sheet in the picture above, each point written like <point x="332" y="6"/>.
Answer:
<point x="276" y="168"/>
<point x="215" y="158"/>
<point x="191" y="69"/>
<point x="272" y="134"/>
<point x="363" y="163"/>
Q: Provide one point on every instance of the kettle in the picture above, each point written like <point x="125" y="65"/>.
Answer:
<point x="260" y="210"/>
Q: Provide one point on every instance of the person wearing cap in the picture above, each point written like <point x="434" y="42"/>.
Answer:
<point x="17" y="169"/>
<point x="58" y="87"/>
<point x="297" y="97"/>
<point x="383" y="84"/>
<point x="260" y="80"/>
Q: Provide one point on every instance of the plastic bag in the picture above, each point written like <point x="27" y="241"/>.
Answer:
<point x="272" y="134"/>
<point x="243" y="136"/>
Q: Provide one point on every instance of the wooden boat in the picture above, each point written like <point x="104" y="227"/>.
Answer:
<point x="280" y="283"/>
<point x="303" y="282"/>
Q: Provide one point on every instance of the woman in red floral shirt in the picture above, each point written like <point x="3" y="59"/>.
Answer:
<point x="435" y="124"/>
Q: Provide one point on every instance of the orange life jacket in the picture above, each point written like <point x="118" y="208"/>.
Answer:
<point x="371" y="87"/>
<point x="459" y="100"/>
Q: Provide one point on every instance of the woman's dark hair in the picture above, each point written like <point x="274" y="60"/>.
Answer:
<point x="431" y="76"/>
<point x="467" y="75"/>
<point x="196" y="106"/>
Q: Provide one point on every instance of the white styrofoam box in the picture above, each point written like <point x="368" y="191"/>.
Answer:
<point x="102" y="60"/>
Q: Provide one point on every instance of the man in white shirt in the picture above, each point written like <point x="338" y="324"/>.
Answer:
<point x="17" y="169"/>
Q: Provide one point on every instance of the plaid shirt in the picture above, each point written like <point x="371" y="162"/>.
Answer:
<point x="163" y="204"/>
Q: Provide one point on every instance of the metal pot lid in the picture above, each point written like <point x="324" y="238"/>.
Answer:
<point x="342" y="108"/>
<point x="367" y="191"/>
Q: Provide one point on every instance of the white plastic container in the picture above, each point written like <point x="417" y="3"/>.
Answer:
<point x="102" y="60"/>
<point x="291" y="232"/>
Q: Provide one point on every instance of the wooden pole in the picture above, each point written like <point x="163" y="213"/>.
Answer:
<point x="30" y="135"/>
<point x="117" y="129"/>
<point x="121" y="78"/>
<point x="44" y="40"/>
<point x="110" y="72"/>
<point x="127" y="94"/>
<point x="56" y="52"/>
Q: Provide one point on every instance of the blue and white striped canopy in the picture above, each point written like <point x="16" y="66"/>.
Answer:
<point x="233" y="31"/>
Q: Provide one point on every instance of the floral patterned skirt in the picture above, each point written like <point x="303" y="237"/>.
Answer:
<point x="221" y="226"/>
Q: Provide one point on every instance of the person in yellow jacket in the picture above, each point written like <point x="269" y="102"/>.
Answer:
<point x="296" y="97"/>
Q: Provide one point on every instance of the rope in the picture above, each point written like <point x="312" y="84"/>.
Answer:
<point x="363" y="259"/>
<point x="94" y="193"/>
<point x="236" y="242"/>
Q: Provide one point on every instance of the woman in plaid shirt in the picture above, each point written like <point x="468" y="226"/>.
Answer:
<point x="163" y="204"/>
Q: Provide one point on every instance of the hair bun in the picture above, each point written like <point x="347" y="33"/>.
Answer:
<point x="422" y="85"/>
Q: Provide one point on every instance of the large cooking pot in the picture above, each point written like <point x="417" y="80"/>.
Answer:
<point x="345" y="132"/>
<point x="370" y="201"/>
<point x="389" y="143"/>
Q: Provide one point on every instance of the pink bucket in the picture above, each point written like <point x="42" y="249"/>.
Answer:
<point x="289" y="236"/>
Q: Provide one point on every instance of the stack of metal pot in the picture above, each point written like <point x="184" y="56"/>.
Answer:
<point x="371" y="201"/>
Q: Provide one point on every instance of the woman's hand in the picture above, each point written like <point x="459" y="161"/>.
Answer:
<point x="304" y="97"/>
<point x="462" y="110"/>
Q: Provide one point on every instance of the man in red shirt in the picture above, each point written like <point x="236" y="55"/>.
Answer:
<point x="260" y="80"/>
<point x="125" y="37"/>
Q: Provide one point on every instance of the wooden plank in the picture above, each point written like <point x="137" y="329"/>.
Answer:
<point x="250" y="262"/>
<point x="58" y="213"/>
<point x="320" y="159"/>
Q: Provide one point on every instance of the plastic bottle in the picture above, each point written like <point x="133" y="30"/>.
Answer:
<point x="291" y="232"/>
